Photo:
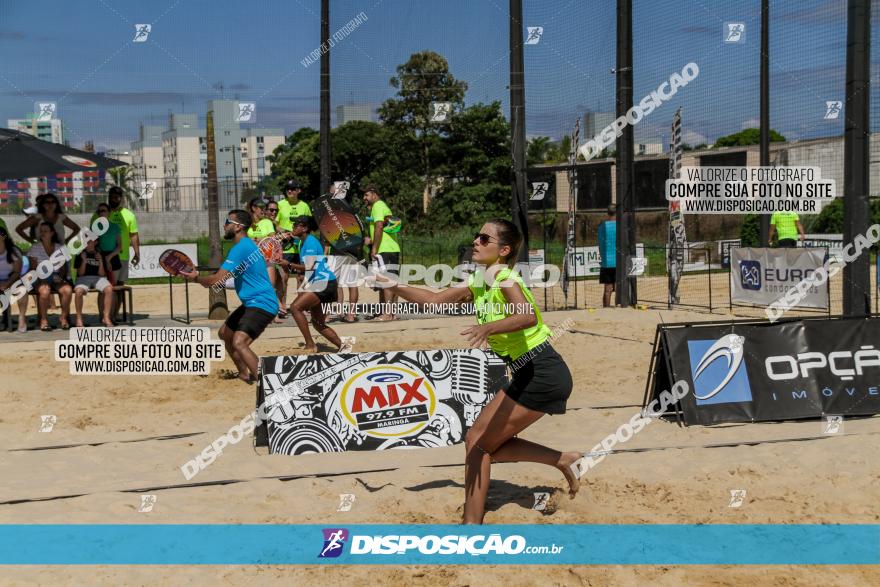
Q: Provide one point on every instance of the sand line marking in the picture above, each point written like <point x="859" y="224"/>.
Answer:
<point x="147" y="439"/>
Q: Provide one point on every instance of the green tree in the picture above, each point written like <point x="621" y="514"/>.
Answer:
<point x="750" y="231"/>
<point x="298" y="158"/>
<point x="538" y="150"/>
<point x="560" y="151"/>
<point x="477" y="170"/>
<point x="423" y="79"/>
<point x="749" y="136"/>
<point x="830" y="219"/>
<point x="123" y="176"/>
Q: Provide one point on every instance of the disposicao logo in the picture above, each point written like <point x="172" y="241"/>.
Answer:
<point x="388" y="401"/>
<point x="334" y="541"/>
<point x="716" y="381"/>
<point x="750" y="273"/>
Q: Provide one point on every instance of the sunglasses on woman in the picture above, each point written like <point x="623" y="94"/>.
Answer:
<point x="273" y="210"/>
<point x="483" y="238"/>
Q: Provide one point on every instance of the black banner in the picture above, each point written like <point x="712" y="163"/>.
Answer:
<point x="752" y="371"/>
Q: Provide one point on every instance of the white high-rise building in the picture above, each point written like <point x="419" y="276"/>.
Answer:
<point x="146" y="159"/>
<point x="594" y="123"/>
<point x="240" y="155"/>
<point x="349" y="112"/>
<point x="47" y="130"/>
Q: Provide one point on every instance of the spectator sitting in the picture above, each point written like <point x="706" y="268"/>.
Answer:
<point x="90" y="274"/>
<point x="11" y="270"/>
<point x="57" y="282"/>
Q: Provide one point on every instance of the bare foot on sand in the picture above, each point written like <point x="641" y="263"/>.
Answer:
<point x="565" y="462"/>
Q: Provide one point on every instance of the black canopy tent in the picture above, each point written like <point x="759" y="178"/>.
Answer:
<point x="23" y="155"/>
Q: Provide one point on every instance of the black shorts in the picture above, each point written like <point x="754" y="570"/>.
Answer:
<point x="325" y="290"/>
<point x="788" y="243"/>
<point x="113" y="264"/>
<point x="541" y="380"/>
<point x="251" y="321"/>
<point x="54" y="281"/>
<point x="389" y="262"/>
<point x="608" y="275"/>
<point x="291" y="257"/>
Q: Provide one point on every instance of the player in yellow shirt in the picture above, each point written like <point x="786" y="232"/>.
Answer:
<point x="384" y="250"/>
<point x="260" y="228"/>
<point x="787" y="225"/>
<point x="509" y="322"/>
<point x="290" y="207"/>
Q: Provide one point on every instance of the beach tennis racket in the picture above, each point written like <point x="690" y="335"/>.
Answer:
<point x="340" y="226"/>
<point x="271" y="249"/>
<point x="175" y="262"/>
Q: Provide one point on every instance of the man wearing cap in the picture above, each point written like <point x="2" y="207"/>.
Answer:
<point x="608" y="254"/>
<point x="290" y="207"/>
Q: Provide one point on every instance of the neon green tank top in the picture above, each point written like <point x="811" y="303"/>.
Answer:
<point x="491" y="306"/>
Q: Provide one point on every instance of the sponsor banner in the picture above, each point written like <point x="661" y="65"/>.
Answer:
<point x="586" y="261"/>
<point x="760" y="276"/>
<point x="375" y="401"/>
<point x="694" y="257"/>
<point x="539" y="544"/>
<point x="536" y="258"/>
<point x="833" y="242"/>
<point x="724" y="247"/>
<point x="149" y="262"/>
<point x="749" y="371"/>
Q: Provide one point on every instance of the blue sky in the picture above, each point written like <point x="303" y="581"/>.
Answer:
<point x="80" y="54"/>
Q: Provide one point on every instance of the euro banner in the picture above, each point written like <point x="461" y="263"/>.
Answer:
<point x="761" y="276"/>
<point x="374" y="401"/>
<point x="757" y="371"/>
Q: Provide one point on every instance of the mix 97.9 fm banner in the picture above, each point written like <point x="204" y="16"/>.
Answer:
<point x="374" y="401"/>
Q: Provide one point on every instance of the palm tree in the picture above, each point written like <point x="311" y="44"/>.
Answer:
<point x="123" y="176"/>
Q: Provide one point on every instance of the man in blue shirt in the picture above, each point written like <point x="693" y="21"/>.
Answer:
<point x="245" y="263"/>
<point x="319" y="287"/>
<point x="608" y="253"/>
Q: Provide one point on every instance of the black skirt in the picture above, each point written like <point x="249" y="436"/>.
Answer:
<point x="540" y="381"/>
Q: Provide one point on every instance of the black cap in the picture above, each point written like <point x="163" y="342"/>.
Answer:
<point x="291" y="185"/>
<point x="304" y="220"/>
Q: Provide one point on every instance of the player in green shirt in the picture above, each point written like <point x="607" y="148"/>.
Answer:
<point x="290" y="207"/>
<point x="260" y="228"/>
<point x="384" y="250"/>
<point x="788" y="226"/>
<point x="127" y="223"/>
<point x="510" y="323"/>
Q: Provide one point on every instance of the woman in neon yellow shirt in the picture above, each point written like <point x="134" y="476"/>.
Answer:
<point x="261" y="228"/>
<point x="510" y="323"/>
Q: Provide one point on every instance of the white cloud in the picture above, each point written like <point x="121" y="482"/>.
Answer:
<point x="692" y="137"/>
<point x="751" y="123"/>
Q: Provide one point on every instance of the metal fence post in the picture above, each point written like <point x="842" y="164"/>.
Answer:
<point x="709" y="257"/>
